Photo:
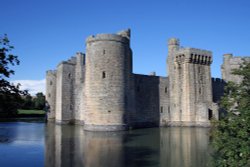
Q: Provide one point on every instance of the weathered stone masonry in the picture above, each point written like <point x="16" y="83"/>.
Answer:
<point x="100" y="91"/>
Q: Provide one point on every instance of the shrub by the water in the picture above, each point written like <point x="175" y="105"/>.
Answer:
<point x="231" y="134"/>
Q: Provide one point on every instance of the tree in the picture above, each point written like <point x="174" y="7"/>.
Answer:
<point x="28" y="103"/>
<point x="231" y="135"/>
<point x="10" y="94"/>
<point x="39" y="101"/>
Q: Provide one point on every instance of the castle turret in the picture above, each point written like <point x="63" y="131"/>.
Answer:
<point x="190" y="81"/>
<point x="51" y="93"/>
<point x="108" y="68"/>
<point x="173" y="47"/>
<point x="64" y="91"/>
<point x="225" y="72"/>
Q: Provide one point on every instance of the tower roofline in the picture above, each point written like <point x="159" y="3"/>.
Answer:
<point x="122" y="36"/>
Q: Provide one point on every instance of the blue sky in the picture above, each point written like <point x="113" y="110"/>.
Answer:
<point x="46" y="32"/>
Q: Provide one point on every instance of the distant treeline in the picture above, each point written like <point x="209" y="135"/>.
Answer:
<point x="33" y="102"/>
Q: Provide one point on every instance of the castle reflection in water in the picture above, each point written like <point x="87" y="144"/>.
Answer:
<point x="71" y="146"/>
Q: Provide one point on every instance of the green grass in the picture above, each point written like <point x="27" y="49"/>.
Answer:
<point x="31" y="111"/>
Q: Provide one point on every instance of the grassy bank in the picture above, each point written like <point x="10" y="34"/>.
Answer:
<point x="30" y="112"/>
<point x="23" y="114"/>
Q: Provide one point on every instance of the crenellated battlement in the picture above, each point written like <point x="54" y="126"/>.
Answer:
<point x="192" y="55"/>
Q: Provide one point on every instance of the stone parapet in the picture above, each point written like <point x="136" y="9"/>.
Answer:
<point x="107" y="37"/>
<point x="192" y="55"/>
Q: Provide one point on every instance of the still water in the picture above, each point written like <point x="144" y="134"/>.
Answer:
<point x="37" y="144"/>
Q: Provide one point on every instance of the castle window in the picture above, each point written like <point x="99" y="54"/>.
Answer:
<point x="109" y="111"/>
<point x="168" y="109"/>
<point x="50" y="83"/>
<point x="103" y="74"/>
<point x="210" y="114"/>
<point x="166" y="90"/>
<point x="49" y="95"/>
<point x="104" y="51"/>
<point x="199" y="90"/>
<point x="69" y="75"/>
<point x="161" y="109"/>
<point x="180" y="111"/>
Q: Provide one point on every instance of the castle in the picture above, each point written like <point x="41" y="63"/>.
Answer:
<point x="100" y="91"/>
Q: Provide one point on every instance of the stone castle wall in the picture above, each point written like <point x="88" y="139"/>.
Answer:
<point x="100" y="91"/>
<point x="151" y="97"/>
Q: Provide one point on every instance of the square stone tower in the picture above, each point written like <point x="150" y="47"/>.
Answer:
<point x="190" y="84"/>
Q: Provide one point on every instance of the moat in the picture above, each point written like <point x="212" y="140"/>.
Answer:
<point x="32" y="143"/>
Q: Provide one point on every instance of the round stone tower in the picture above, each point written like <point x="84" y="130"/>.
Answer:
<point x="108" y="69"/>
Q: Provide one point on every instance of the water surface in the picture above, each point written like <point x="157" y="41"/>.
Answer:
<point x="38" y="144"/>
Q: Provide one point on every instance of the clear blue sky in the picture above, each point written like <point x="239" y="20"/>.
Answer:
<point x="45" y="32"/>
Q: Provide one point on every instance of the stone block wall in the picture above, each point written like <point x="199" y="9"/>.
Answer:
<point x="147" y="101"/>
<point x="78" y="91"/>
<point x="151" y="101"/>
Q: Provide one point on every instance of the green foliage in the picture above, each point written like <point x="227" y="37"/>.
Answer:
<point x="10" y="95"/>
<point x="39" y="101"/>
<point x="231" y="135"/>
<point x="28" y="103"/>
